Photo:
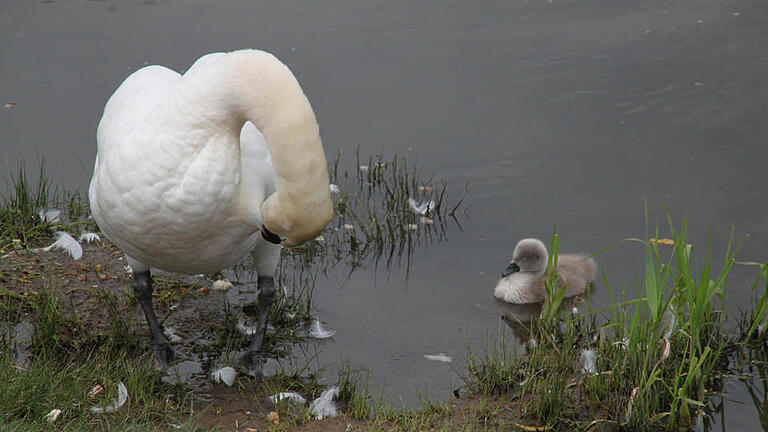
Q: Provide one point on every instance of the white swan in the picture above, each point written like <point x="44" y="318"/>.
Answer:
<point x="523" y="280"/>
<point x="193" y="172"/>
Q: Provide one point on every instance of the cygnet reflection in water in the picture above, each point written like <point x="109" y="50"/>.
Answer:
<point x="521" y="318"/>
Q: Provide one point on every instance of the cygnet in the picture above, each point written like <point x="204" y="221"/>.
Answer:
<point x="523" y="280"/>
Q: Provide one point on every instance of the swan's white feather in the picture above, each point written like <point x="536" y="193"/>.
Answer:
<point x="323" y="407"/>
<point x="439" y="357"/>
<point x="589" y="357"/>
<point x="289" y="396"/>
<point x="421" y="208"/>
<point x="67" y="243"/>
<point x="224" y="375"/>
<point x="222" y="285"/>
<point x="122" y="396"/>
<point x="317" y="331"/>
<point x="89" y="237"/>
<point x="53" y="415"/>
<point x="244" y="329"/>
<point x="49" y="215"/>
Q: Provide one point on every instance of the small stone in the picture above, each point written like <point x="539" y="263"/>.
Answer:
<point x="83" y="277"/>
<point x="413" y="227"/>
<point x="426" y="221"/>
<point x="349" y="227"/>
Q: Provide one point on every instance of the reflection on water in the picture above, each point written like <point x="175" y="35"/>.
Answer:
<point x="521" y="318"/>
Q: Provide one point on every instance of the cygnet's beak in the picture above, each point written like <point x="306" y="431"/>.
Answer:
<point x="511" y="268"/>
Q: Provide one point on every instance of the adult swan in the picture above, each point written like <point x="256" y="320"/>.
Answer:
<point x="195" y="171"/>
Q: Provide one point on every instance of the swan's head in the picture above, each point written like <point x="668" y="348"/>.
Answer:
<point x="297" y="225"/>
<point x="530" y="256"/>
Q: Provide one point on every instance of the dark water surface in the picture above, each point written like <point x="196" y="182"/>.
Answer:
<point x="565" y="113"/>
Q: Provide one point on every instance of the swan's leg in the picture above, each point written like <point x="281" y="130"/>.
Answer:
<point x="142" y="287"/>
<point x="265" y="255"/>
<point x="266" y="298"/>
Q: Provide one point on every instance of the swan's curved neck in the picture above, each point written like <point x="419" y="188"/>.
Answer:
<point x="254" y="85"/>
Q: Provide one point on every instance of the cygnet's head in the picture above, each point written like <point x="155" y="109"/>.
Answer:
<point x="530" y="256"/>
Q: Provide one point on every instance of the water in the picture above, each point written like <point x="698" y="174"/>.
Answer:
<point x="559" y="113"/>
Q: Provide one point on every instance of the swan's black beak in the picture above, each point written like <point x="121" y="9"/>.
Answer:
<point x="511" y="268"/>
<point x="270" y="236"/>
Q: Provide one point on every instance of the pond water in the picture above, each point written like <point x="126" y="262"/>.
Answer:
<point x="538" y="113"/>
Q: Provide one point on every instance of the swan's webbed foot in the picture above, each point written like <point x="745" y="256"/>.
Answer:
<point x="142" y="286"/>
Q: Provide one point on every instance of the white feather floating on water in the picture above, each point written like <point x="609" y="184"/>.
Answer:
<point x="588" y="356"/>
<point x="334" y="188"/>
<point x="289" y="396"/>
<point x="66" y="242"/>
<point x="317" y="331"/>
<point x="440" y="357"/>
<point x="226" y="375"/>
<point x="89" y="237"/>
<point x="422" y="208"/>
<point x="122" y="396"/>
<point x="323" y="406"/>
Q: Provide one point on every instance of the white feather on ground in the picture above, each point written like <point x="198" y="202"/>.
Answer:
<point x="323" y="406"/>
<point x="222" y="285"/>
<point x="66" y="242"/>
<point x="89" y="237"/>
<point x="588" y="356"/>
<point x="53" y="415"/>
<point x="422" y="208"/>
<point x="245" y="330"/>
<point x="171" y="335"/>
<point x="440" y="357"/>
<point x="49" y="215"/>
<point x="317" y="331"/>
<point x="289" y="396"/>
<point x="122" y="396"/>
<point x="226" y="375"/>
<point x="334" y="188"/>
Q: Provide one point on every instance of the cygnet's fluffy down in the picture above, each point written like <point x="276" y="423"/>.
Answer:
<point x="523" y="280"/>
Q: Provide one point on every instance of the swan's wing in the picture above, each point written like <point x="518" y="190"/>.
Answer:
<point x="128" y="107"/>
